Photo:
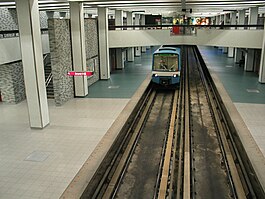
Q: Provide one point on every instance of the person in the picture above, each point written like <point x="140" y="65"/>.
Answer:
<point x="163" y="64"/>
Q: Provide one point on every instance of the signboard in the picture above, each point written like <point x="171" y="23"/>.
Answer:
<point x="73" y="73"/>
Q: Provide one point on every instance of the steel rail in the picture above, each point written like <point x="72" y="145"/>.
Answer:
<point x="179" y="183"/>
<point x="126" y="157"/>
<point x="187" y="150"/>
<point x="235" y="180"/>
<point x="175" y="144"/>
<point x="93" y="193"/>
<point x="155" y="195"/>
<point x="250" y="190"/>
<point x="192" y="167"/>
<point x="235" y="151"/>
<point x="167" y="158"/>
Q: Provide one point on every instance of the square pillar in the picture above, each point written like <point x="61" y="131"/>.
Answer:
<point x="218" y="20"/>
<point x="78" y="47"/>
<point x="130" y="54"/>
<point x="143" y="50"/>
<point x="240" y="21"/>
<point x="103" y="43"/>
<point x="32" y="59"/>
<point x="130" y="51"/>
<point x="119" y="59"/>
<point x="118" y="18"/>
<point x="137" y="50"/>
<point x="119" y="22"/>
<point x="231" y="51"/>
<point x="249" y="58"/>
<point x="262" y="62"/>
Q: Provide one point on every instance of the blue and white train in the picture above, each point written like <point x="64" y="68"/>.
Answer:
<point x="166" y="66"/>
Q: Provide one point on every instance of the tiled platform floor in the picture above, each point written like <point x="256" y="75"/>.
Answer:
<point x="246" y="92"/>
<point x="41" y="163"/>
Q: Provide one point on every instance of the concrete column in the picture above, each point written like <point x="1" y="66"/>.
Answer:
<point x="218" y="20"/>
<point x="223" y="21"/>
<point x="137" y="22"/>
<point x="253" y="17"/>
<point x="130" y="54"/>
<point x="213" y="20"/>
<point x="137" y="51"/>
<point x="119" y="22"/>
<point x="32" y="59"/>
<point x="241" y="17"/>
<point x="130" y="51"/>
<point x="103" y="43"/>
<point x="227" y="19"/>
<point x="143" y="50"/>
<point x="222" y="18"/>
<point x="232" y="22"/>
<point x="240" y="21"/>
<point x="262" y="61"/>
<point x="129" y="19"/>
<point x="249" y="57"/>
<point x="119" y="59"/>
<point x="78" y="47"/>
<point x="118" y="18"/>
<point x="249" y="60"/>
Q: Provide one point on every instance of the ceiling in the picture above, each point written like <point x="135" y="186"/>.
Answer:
<point x="164" y="7"/>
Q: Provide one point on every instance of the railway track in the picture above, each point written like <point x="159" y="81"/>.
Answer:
<point x="177" y="144"/>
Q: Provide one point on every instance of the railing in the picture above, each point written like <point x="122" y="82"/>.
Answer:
<point x="46" y="59"/>
<point x="48" y="80"/>
<point x="15" y="33"/>
<point x="131" y="27"/>
<point x="184" y="29"/>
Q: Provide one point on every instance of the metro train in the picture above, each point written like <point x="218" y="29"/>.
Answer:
<point x="166" y="66"/>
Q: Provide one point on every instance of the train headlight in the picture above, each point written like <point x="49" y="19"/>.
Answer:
<point x="175" y="75"/>
<point x="156" y="75"/>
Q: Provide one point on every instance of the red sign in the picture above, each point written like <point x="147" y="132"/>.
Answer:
<point x="72" y="73"/>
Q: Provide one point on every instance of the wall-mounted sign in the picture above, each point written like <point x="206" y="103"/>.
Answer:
<point x="73" y="73"/>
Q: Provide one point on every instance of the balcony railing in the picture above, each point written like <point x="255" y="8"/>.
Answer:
<point x="15" y="33"/>
<point x="184" y="29"/>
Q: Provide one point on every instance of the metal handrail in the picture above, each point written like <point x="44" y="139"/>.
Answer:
<point x="48" y="80"/>
<point x="185" y="26"/>
<point x="46" y="58"/>
<point x="15" y="33"/>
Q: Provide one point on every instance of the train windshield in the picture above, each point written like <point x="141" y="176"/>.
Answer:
<point x="165" y="62"/>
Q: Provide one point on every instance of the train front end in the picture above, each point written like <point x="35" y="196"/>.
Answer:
<point x="166" y="66"/>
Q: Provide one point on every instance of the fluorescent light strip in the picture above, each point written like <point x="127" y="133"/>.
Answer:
<point x="7" y="3"/>
<point x="53" y="5"/>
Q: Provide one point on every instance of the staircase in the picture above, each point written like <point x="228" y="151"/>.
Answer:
<point x="48" y="76"/>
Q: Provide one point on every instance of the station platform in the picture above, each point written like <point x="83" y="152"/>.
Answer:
<point x="42" y="163"/>
<point x="247" y="94"/>
<point x="124" y="83"/>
